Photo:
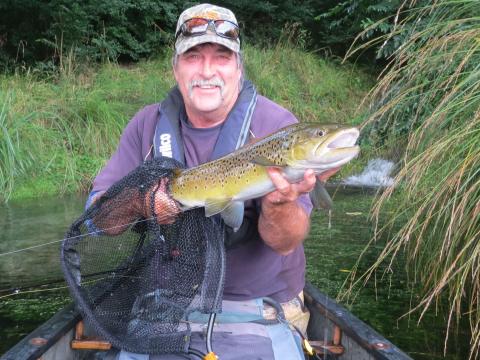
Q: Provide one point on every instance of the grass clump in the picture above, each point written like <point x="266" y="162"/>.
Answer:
<point x="430" y="99"/>
<point x="57" y="133"/>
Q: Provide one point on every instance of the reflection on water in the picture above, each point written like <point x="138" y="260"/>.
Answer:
<point x="29" y="224"/>
<point x="333" y="251"/>
<point x="331" y="254"/>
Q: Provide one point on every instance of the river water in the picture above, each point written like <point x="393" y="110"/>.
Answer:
<point x="332" y="249"/>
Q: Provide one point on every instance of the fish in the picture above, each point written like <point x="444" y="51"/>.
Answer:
<point x="223" y="185"/>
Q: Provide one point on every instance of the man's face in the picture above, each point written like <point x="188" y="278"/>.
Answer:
<point x="208" y="77"/>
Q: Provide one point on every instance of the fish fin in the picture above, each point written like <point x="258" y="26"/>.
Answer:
<point x="233" y="214"/>
<point x="215" y="206"/>
<point x="320" y="197"/>
<point x="231" y="211"/>
<point x="263" y="161"/>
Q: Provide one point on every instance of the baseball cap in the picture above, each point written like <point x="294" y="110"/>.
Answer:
<point x="211" y="35"/>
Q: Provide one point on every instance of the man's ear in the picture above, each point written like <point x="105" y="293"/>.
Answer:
<point x="174" y="73"/>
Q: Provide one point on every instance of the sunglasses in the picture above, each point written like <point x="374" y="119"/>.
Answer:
<point x="199" y="26"/>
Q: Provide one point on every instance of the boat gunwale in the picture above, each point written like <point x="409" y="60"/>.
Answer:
<point x="40" y="340"/>
<point x="363" y="334"/>
<point x="48" y="333"/>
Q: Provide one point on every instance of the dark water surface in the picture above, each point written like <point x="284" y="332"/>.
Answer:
<point x="331" y="252"/>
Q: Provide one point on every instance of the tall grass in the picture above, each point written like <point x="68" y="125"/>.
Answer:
<point x="432" y="89"/>
<point x="75" y="118"/>
<point x="12" y="162"/>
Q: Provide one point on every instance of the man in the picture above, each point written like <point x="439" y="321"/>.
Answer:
<point x="211" y="112"/>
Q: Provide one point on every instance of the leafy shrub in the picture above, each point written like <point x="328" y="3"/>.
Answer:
<point x="125" y="30"/>
<point x="370" y="22"/>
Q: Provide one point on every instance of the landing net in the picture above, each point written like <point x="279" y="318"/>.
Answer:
<point x="134" y="280"/>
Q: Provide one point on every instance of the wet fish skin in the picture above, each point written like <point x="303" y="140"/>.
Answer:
<point x="222" y="185"/>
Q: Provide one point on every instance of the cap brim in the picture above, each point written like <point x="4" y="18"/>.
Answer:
<point x="184" y="43"/>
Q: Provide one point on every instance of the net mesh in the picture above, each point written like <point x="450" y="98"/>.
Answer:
<point x="134" y="279"/>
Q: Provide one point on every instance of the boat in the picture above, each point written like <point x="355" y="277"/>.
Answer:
<point x="333" y="332"/>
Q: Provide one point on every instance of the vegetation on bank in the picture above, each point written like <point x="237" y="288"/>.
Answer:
<point x="56" y="133"/>
<point x="38" y="34"/>
<point x="429" y="100"/>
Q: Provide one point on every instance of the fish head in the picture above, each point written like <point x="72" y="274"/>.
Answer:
<point x="322" y="147"/>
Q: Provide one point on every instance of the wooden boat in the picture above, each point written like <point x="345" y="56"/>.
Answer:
<point x="334" y="332"/>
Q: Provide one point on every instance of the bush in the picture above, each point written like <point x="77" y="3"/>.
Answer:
<point x="43" y="32"/>
<point x="37" y="31"/>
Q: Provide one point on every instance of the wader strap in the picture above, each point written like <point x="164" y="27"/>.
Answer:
<point x="167" y="140"/>
<point x="235" y="130"/>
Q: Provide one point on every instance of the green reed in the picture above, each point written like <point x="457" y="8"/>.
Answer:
<point x="429" y="98"/>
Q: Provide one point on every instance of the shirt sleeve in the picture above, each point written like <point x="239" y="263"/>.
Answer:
<point x="126" y="158"/>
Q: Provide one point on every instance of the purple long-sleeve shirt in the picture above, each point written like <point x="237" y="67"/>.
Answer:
<point x="253" y="268"/>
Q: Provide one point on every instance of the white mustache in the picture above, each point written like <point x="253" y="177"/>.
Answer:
<point x="211" y="82"/>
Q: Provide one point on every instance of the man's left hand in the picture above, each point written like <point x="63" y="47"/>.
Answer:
<point x="286" y="192"/>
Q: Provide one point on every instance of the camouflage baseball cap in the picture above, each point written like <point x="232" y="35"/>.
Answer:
<point x="210" y="12"/>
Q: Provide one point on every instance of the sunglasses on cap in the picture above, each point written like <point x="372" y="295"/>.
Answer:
<point x="199" y="26"/>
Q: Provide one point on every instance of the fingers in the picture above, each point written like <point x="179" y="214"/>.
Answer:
<point x="323" y="177"/>
<point x="281" y="184"/>
<point x="286" y="192"/>
<point x="308" y="182"/>
<point x="165" y="208"/>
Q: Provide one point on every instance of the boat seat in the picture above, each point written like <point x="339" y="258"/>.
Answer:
<point x="322" y="348"/>
<point x="329" y="349"/>
<point x="82" y="342"/>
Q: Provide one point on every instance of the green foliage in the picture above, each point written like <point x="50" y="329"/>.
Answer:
<point x="14" y="158"/>
<point x="33" y="30"/>
<point x="45" y="34"/>
<point x="264" y="22"/>
<point x="370" y="22"/>
<point x="312" y="88"/>
<point x="62" y="130"/>
<point x="430" y="98"/>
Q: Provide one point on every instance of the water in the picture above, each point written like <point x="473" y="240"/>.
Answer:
<point x="331" y="254"/>
<point x="376" y="173"/>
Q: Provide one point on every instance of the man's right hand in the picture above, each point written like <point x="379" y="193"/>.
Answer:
<point x="165" y="209"/>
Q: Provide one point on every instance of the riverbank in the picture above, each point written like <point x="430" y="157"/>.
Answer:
<point x="57" y="133"/>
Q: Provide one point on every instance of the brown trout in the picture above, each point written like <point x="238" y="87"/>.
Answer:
<point x="222" y="185"/>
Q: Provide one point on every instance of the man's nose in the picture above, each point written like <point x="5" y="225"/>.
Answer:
<point x="208" y="69"/>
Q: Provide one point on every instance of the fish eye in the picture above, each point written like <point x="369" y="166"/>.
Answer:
<point x="321" y="133"/>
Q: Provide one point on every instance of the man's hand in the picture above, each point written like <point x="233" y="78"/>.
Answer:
<point x="286" y="192"/>
<point x="283" y="224"/>
<point x="323" y="177"/>
<point x="165" y="208"/>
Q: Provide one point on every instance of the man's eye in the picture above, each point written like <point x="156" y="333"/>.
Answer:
<point x="193" y="56"/>
<point x="223" y="57"/>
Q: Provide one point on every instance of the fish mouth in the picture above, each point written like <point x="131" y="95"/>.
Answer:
<point x="344" y="139"/>
<point x="339" y="148"/>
